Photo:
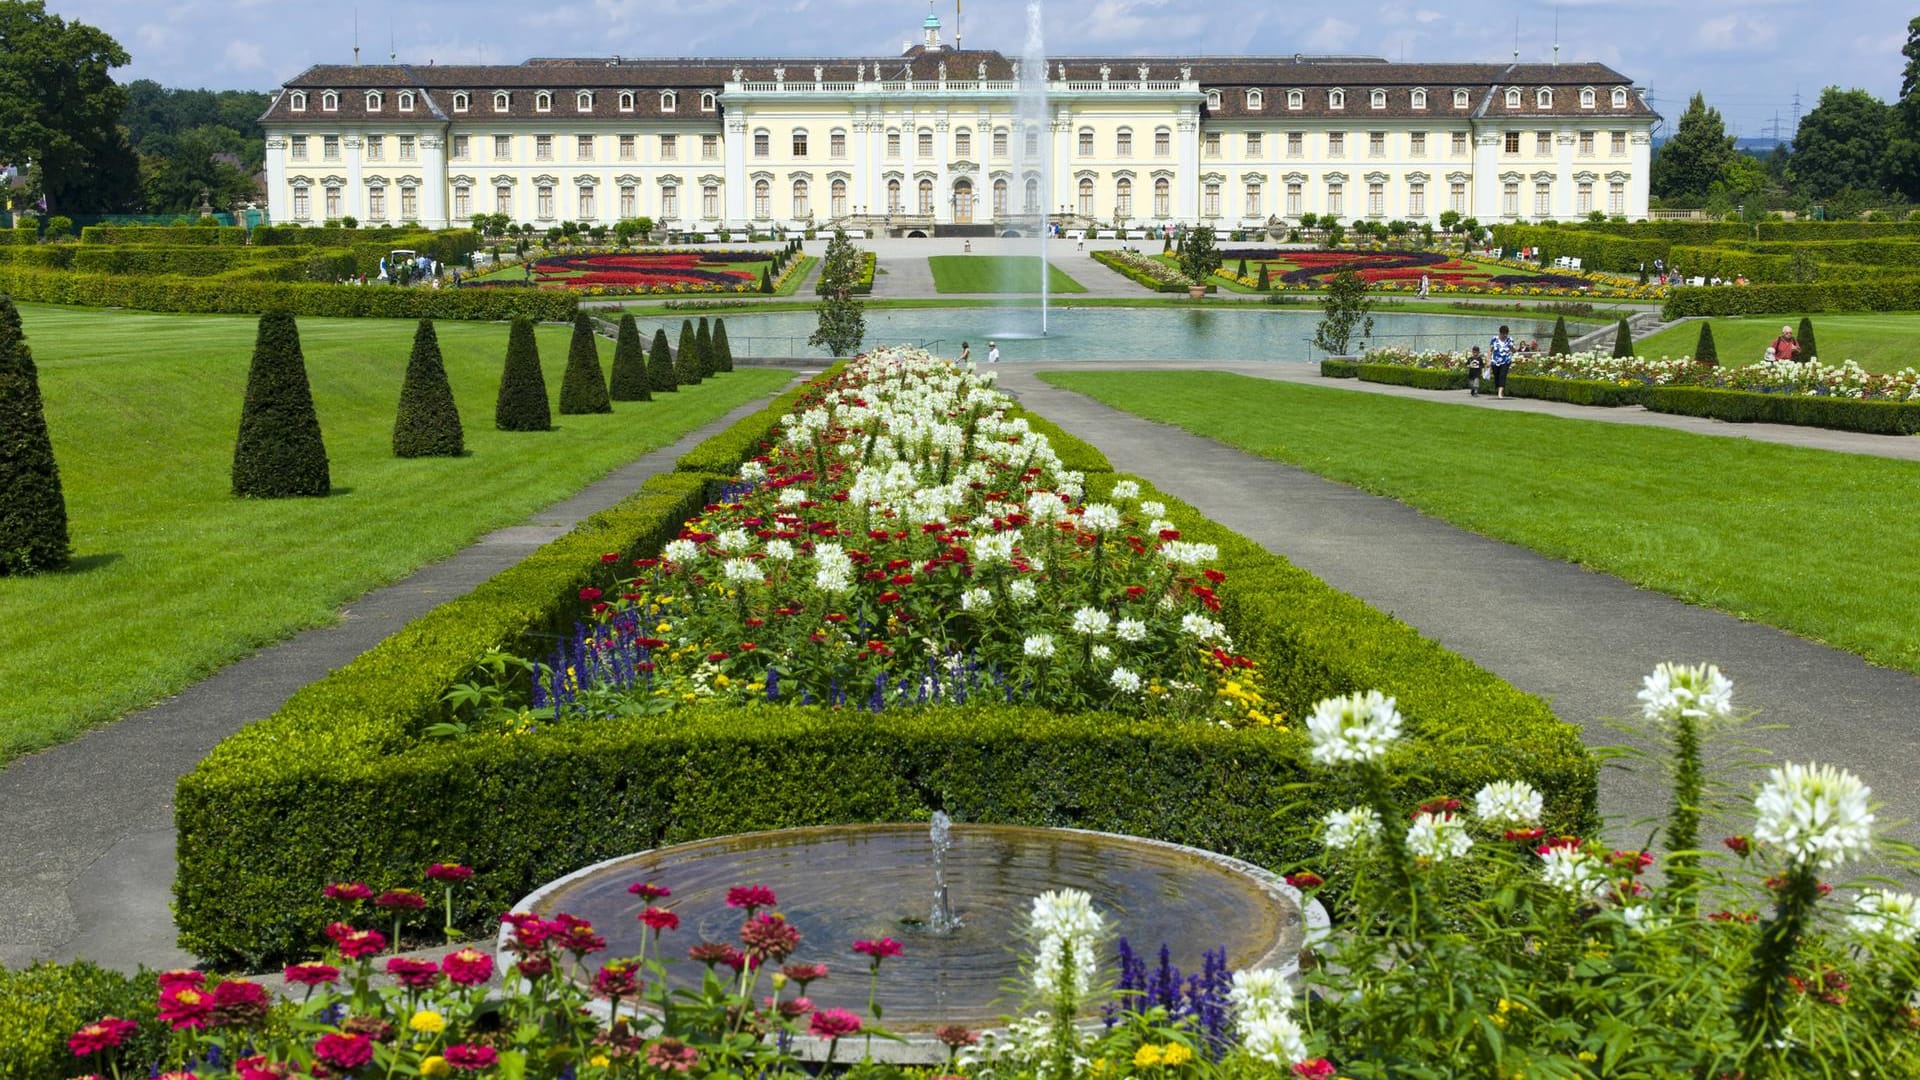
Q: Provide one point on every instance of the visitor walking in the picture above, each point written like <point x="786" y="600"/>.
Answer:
<point x="1475" y="364"/>
<point x="1786" y="347"/>
<point x="966" y="352"/>
<point x="1423" y="285"/>
<point x="993" y="353"/>
<point x="1501" y="350"/>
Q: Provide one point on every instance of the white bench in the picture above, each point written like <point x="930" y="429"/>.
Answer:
<point x="1136" y="234"/>
<point x="740" y="237"/>
<point x="1076" y="234"/>
<point x="712" y="238"/>
<point x="856" y="234"/>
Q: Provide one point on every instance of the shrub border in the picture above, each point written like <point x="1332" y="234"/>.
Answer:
<point x="1339" y="369"/>
<point x="1805" y="410"/>
<point x="232" y="297"/>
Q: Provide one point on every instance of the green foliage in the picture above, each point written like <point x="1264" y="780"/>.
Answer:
<point x="722" y="352"/>
<point x="1807" y="347"/>
<point x="41" y="1005"/>
<point x="1696" y="156"/>
<point x="1839" y="144"/>
<point x="1623" y="340"/>
<point x="1559" y="346"/>
<point x="703" y="341"/>
<point x="1743" y="407"/>
<point x="1265" y="283"/>
<point x="280" y="452"/>
<point x="843" y="321"/>
<point x="660" y="370"/>
<point x="428" y="423"/>
<point x="204" y="296"/>
<point x="686" y="358"/>
<point x="1575" y="391"/>
<point x="1199" y="256"/>
<point x="1419" y="378"/>
<point x="583" y="388"/>
<point x="1705" y="352"/>
<point x="59" y="110"/>
<point x="33" y="506"/>
<point x="1887" y="294"/>
<point x="1339" y="369"/>
<point x="723" y="453"/>
<point x="766" y="280"/>
<point x="862" y="284"/>
<point x="630" y="376"/>
<point x="1113" y="260"/>
<point x="522" y="405"/>
<point x="1348" y="309"/>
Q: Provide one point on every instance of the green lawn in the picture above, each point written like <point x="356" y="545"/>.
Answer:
<point x="1818" y="543"/>
<point x="174" y="577"/>
<point x="1877" y="342"/>
<point x="997" y="274"/>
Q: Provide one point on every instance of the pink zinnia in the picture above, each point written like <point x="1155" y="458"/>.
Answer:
<point x="834" y="1024"/>
<point x="312" y="973"/>
<point x="804" y="973"/>
<point x="185" y="1007"/>
<point x="769" y="937"/>
<point x="535" y="967"/>
<point x="1316" y="1069"/>
<point x="414" y="974"/>
<point x="181" y="977"/>
<point x="471" y="1058"/>
<point x="646" y="890"/>
<point x="105" y="1033"/>
<point x="880" y="949"/>
<point x="672" y="1055"/>
<point x="347" y="892"/>
<point x="449" y="872"/>
<point x="338" y="1051"/>
<point x="659" y="918"/>
<point x="240" y="1003"/>
<point x="400" y="900"/>
<point x="356" y="944"/>
<point x="467" y="967"/>
<point x="751" y="897"/>
<point x="616" y="980"/>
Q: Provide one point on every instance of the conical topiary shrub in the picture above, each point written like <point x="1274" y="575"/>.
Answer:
<point x="33" y="507"/>
<point x="1704" y="352"/>
<point x="1242" y="271"/>
<point x="686" y="359"/>
<point x="1808" y="351"/>
<point x="1561" y="346"/>
<point x="766" y="280"/>
<point x="428" y="424"/>
<point x="703" y="341"/>
<point x="660" y="373"/>
<point x="1623" y="340"/>
<point x="630" y="376"/>
<point x="1266" y="281"/>
<point x="523" y="389"/>
<point x="722" y="352"/>
<point x="583" y="389"/>
<point x="279" y="452"/>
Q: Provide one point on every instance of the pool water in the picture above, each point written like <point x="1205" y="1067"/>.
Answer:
<point x="1245" y="332"/>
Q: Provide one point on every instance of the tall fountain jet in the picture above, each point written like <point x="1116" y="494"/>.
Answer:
<point x="1033" y="156"/>
<point x="941" y="921"/>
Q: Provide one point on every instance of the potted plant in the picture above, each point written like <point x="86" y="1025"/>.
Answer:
<point x="1198" y="258"/>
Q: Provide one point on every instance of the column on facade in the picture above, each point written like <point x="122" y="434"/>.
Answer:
<point x="279" y="195"/>
<point x="433" y="180"/>
<point x="1186" y="183"/>
<point x="1639" y="173"/>
<point x="736" y="184"/>
<point x="942" y="165"/>
<point x="355" y="201"/>
<point x="873" y="192"/>
<point x="1487" y="185"/>
<point x="1064" y="183"/>
<point x="1563" y="185"/>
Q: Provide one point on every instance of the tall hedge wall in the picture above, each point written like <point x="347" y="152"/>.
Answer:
<point x="1884" y="294"/>
<point x="340" y="784"/>
<point x="211" y="296"/>
<point x="1595" y="250"/>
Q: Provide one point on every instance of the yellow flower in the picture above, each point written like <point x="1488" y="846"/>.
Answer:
<point x="1587" y="1056"/>
<point x="1146" y="1057"/>
<point x="435" y="1066"/>
<point x="428" y="1022"/>
<point x="664" y="627"/>
<point x="1174" y="1055"/>
<point x="598" y="1061"/>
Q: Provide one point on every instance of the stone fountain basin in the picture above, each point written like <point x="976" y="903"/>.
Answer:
<point x="841" y="884"/>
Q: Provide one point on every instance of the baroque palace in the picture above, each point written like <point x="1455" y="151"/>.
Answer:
<point x="937" y="141"/>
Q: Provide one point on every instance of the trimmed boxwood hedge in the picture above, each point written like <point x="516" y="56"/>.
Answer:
<point x="1420" y="378"/>
<point x="1340" y="369"/>
<point x="1746" y="407"/>
<point x="1886" y="294"/>
<point x="1575" y="391"/>
<point x="40" y="1006"/>
<point x="340" y="785"/>
<point x="229" y="297"/>
<point x="1113" y="262"/>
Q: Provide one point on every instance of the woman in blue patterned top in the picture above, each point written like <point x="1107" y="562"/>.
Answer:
<point x="1500" y="358"/>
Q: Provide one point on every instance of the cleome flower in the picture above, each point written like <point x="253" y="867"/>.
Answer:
<point x="1817" y="814"/>
<point x="1353" y="729"/>
<point x="1341" y="830"/>
<point x="1509" y="805"/>
<point x="1885" y="915"/>
<point x="1435" y="838"/>
<point x="1573" y="871"/>
<point x="1091" y="622"/>
<point x="1698" y="692"/>
<point x="1038" y="646"/>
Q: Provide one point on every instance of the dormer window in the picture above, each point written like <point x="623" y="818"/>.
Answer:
<point x="460" y="101"/>
<point x="1543" y="98"/>
<point x="1586" y="97"/>
<point x="1619" y="97"/>
<point x="708" y="102"/>
<point x="373" y="100"/>
<point x="626" y="101"/>
<point x="1256" y="100"/>
<point x="543" y="101"/>
<point x="502" y="101"/>
<point x="329" y="102"/>
<point x="1296" y="100"/>
<point x="1336" y="99"/>
<point x="583" y="101"/>
<point x="1378" y="99"/>
<point x="297" y="101"/>
<point x="1513" y="97"/>
<point x="1462" y="99"/>
<point x="406" y="101"/>
<point x="1417" y="99"/>
<point x="1213" y="99"/>
<point x="669" y="101"/>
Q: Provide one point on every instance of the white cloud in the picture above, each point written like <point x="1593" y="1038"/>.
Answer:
<point x="245" y="56"/>
<point x="1331" y="35"/>
<point x="1728" y="32"/>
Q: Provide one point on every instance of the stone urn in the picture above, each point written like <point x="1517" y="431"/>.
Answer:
<point x="1197" y="292"/>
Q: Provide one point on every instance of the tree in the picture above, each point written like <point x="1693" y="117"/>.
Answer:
<point x="280" y="451"/>
<point x="703" y="340"/>
<point x="843" y="321"/>
<point x="686" y="358"/>
<point x="428" y="424"/>
<point x="522" y="405"/>
<point x="1348" y="308"/>
<point x="583" y="389"/>
<point x="1704" y="351"/>
<point x="59" y="110"/>
<point x="1696" y="155"/>
<point x="723" y="352"/>
<point x="1807" y="348"/>
<point x="1841" y="144"/>
<point x="1198" y="255"/>
<point x="630" y="375"/>
<point x="1623" y="341"/>
<point x="660" y="370"/>
<point x="1560" y="346"/>
<point x="33" y="507"/>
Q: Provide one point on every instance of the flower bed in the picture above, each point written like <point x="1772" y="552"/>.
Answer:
<point x="1393" y="270"/>
<point x="1156" y="274"/>
<point x="669" y="272"/>
<point x="1845" y="380"/>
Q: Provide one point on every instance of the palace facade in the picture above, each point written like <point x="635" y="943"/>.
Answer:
<point x="936" y="140"/>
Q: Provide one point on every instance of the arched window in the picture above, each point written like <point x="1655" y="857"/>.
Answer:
<point x="1123" y="143"/>
<point x="1213" y="99"/>
<point x="707" y="101"/>
<point x="710" y="201"/>
<point x="1586" y="97"/>
<point x="1377" y="99"/>
<point x="1162" y="142"/>
<point x="626" y="101"/>
<point x="999" y="198"/>
<point x="329" y="102"/>
<point x="1162" y="197"/>
<point x="461" y="101"/>
<point x="801" y="209"/>
<point x="1032" y="199"/>
<point x="762" y="143"/>
<point x="1619" y="97"/>
<point x="1336" y="99"/>
<point x="502" y="101"/>
<point x="297" y="101"/>
<point x="1296" y="100"/>
<point x="926" y="197"/>
<point x="1123" y="198"/>
<point x="583" y="101"/>
<point x="962" y="143"/>
<point x="1462" y="99"/>
<point x="1417" y="99"/>
<point x="1086" y="198"/>
<point x="1256" y="100"/>
<point x="762" y="199"/>
<point x="669" y="101"/>
<point x="799" y="142"/>
<point x="838" y="193"/>
<point x="406" y="101"/>
<point x="893" y="196"/>
<point x="1543" y="98"/>
<point x="543" y="101"/>
<point x="374" y="100"/>
<point x="837" y="143"/>
<point x="302" y="203"/>
<point x="1513" y="97"/>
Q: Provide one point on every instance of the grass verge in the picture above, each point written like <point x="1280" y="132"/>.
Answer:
<point x="997" y="274"/>
<point x="1877" y="342"/>
<point x="174" y="577"/>
<point x="1814" y="542"/>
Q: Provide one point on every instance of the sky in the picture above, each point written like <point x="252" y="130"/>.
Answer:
<point x="1748" y="56"/>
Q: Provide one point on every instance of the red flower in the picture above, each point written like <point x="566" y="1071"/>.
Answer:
<point x="589" y="594"/>
<point x="769" y="937"/>
<point x="258" y="1067"/>
<point x="449" y="872"/>
<point x="1524" y="835"/>
<point x="534" y="967"/>
<point x="1306" y="879"/>
<point x="470" y="1057"/>
<point x="186" y="1007"/>
<point x="312" y="973"/>
<point x="400" y="900"/>
<point x="1316" y="1069"/>
<point x="712" y="953"/>
<point x="343" y="1051"/>
<point x="647" y="890"/>
<point x="795" y="1008"/>
<point x="804" y="973"/>
<point x="239" y="1003"/>
<point x="1739" y="845"/>
<point x="716" y="657"/>
<point x="617" y="980"/>
<point x="659" y="919"/>
<point x="105" y="1033"/>
<point x="1561" y="843"/>
<point x="609" y="558"/>
<point x="751" y="897"/>
<point x="672" y="1055"/>
<point x="888" y="597"/>
<point x="467" y="967"/>
<point x="1631" y="862"/>
<point x="529" y="931"/>
<point x="880" y="949"/>
<point x="956" y="1036"/>
<point x="414" y="974"/>
<point x="347" y="892"/>
<point x="834" y="1024"/>
<point x="181" y="977"/>
<point x="1214" y="576"/>
<point x="356" y="944"/>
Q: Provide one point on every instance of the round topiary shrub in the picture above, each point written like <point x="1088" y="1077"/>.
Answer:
<point x="428" y="424"/>
<point x="686" y="359"/>
<point x="630" y="376"/>
<point x="280" y="452"/>
<point x="660" y="369"/>
<point x="522" y="405"/>
<point x="723" y="352"/>
<point x="583" y="389"/>
<point x="33" y="507"/>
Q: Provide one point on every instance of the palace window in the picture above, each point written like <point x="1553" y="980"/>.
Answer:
<point x="1376" y="199"/>
<point x="1617" y="142"/>
<point x="297" y="101"/>
<point x="1162" y="197"/>
<point x="629" y="201"/>
<point x="503" y="199"/>
<point x="1123" y="143"/>
<point x="926" y="197"/>
<point x="800" y="207"/>
<point x="1210" y="199"/>
<point x="999" y="198"/>
<point x="1543" y="144"/>
<point x="1296" y="100"/>
<point x="710" y="201"/>
<point x="1542" y="199"/>
<point x="1293" y="199"/>
<point x="1376" y="144"/>
<point x="1416" y="199"/>
<point x="377" y="203"/>
<point x="1586" y="97"/>
<point x="1513" y="97"/>
<point x="1213" y="99"/>
<point x="461" y="101"/>
<point x="583" y="101"/>
<point x="762" y="144"/>
<point x="837" y="193"/>
<point x="409" y="205"/>
<point x="583" y="148"/>
<point x="1586" y="144"/>
<point x="629" y="146"/>
<point x="543" y="101"/>
<point x="1253" y="200"/>
<point x="1417" y="143"/>
<point x="709" y="148"/>
<point x="669" y="101"/>
<point x="406" y="148"/>
<point x="1253" y="144"/>
<point x="502" y="101"/>
<point x="800" y="142"/>
<point x="999" y="142"/>
<point x="1377" y="99"/>
<point x="1459" y="144"/>
<point x="333" y="202"/>
<point x="1510" y="198"/>
<point x="544" y="201"/>
<point x="923" y="143"/>
<point x="1336" y="99"/>
<point x="330" y="148"/>
<point x="502" y="147"/>
<point x="1336" y="144"/>
<point x="1256" y="101"/>
<point x="543" y="148"/>
<point x="330" y="102"/>
<point x="837" y="144"/>
<point x="406" y="101"/>
<point x="1086" y="198"/>
<point x="1583" y="198"/>
<point x="1033" y="143"/>
<point x="669" y="201"/>
<point x="1162" y="143"/>
<point x="302" y="202"/>
<point x="1123" y="198"/>
<point x="1296" y="144"/>
<point x="1417" y="99"/>
<point x="1033" y="196"/>
<point x="1616" y="197"/>
<point x="374" y="100"/>
<point x="1085" y="148"/>
<point x="762" y="199"/>
<point x="893" y="144"/>
<point x="1512" y="142"/>
<point x="1457" y="196"/>
<point x="963" y="143"/>
<point x="1336" y="198"/>
<point x="708" y="102"/>
<point x="626" y="101"/>
<point x="893" y="196"/>
<point x="1462" y="99"/>
<point x="1543" y="98"/>
<point x="1619" y="97"/>
<point x="462" y="147"/>
<point x="669" y="148"/>
<point x="1211" y="144"/>
<point x="297" y="147"/>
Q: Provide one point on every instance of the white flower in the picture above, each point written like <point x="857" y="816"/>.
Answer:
<point x="1197" y="625"/>
<point x="1438" y="837"/>
<point x="1091" y="622"/>
<point x="1262" y="990"/>
<point x="1102" y="652"/>
<point x="1063" y="964"/>
<point x="994" y="548"/>
<point x="1154" y="509"/>
<point x="1880" y="913"/>
<point x="1817" y="814"/>
<point x="1126" y="489"/>
<point x="1100" y="518"/>
<point x="833" y="569"/>
<point x="741" y="572"/>
<point x="1273" y="1038"/>
<point x="1159" y="526"/>
<point x="1677" y="690"/>
<point x="1574" y="871"/>
<point x="1355" y="728"/>
<point x="1064" y="913"/>
<point x="680" y="551"/>
<point x="793" y="496"/>
<point x="753" y="472"/>
<point x="779" y="551"/>
<point x="1124" y="681"/>
<point x="976" y="600"/>
<point x="1344" y="829"/>
<point x="1645" y="919"/>
<point x="1044" y="507"/>
<point x="1130" y="630"/>
<point x="733" y="541"/>
<point x="1509" y="805"/>
<point x="1023" y="591"/>
<point x="1039" y="646"/>
<point x="1184" y="553"/>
